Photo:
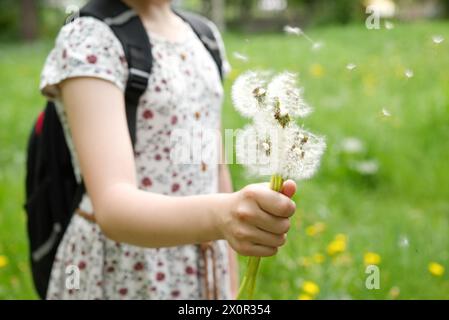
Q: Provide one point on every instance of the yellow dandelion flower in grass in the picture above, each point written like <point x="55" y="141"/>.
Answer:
<point x="315" y="229"/>
<point x="305" y="262"/>
<point x="341" y="237"/>
<point x="342" y="260"/>
<point x="338" y="245"/>
<point x="310" y="288"/>
<point x="303" y="296"/>
<point x="436" y="269"/>
<point x="371" y="258"/>
<point x="318" y="258"/>
<point x="316" y="70"/>
<point x="3" y="261"/>
<point x="394" y="292"/>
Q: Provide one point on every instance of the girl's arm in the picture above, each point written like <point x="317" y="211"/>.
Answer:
<point x="253" y="220"/>
<point x="226" y="187"/>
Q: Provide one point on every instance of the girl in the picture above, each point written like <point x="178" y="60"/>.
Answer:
<point x="149" y="228"/>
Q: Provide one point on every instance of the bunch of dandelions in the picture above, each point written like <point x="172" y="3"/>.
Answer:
<point x="273" y="144"/>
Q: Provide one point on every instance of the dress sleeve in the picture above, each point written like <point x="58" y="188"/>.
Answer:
<point x="87" y="47"/>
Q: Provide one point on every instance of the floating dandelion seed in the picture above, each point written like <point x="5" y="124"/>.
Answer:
<point x="298" y="32"/>
<point x="437" y="39"/>
<point x="386" y="113"/>
<point x="389" y="25"/>
<point x="409" y="73"/>
<point x="240" y="56"/>
<point x="352" y="145"/>
<point x="317" y="45"/>
<point x="367" y="167"/>
<point x="351" y="66"/>
<point x="403" y="242"/>
<point x="292" y="30"/>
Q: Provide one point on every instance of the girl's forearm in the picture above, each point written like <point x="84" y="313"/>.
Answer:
<point x="226" y="187"/>
<point x="137" y="217"/>
<point x="225" y="180"/>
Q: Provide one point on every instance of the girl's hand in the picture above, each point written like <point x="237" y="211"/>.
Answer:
<point x="257" y="219"/>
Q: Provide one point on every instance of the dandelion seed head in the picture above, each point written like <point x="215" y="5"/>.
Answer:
<point x="266" y="146"/>
<point x="284" y="91"/>
<point x="253" y="149"/>
<point x="247" y="93"/>
<point x="283" y="111"/>
<point x="302" y="153"/>
<point x="291" y="152"/>
<point x="437" y="39"/>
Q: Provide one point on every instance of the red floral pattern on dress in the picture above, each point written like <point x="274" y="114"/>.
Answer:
<point x="175" y="187"/>
<point x="148" y="114"/>
<point x="139" y="266"/>
<point x="92" y="59"/>
<point x="160" y="276"/>
<point x="146" y="182"/>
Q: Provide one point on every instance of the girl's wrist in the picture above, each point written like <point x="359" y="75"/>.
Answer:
<point x="220" y="210"/>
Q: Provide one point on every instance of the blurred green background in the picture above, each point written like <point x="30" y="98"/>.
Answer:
<point x="381" y="98"/>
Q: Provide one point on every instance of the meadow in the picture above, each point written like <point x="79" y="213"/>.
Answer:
<point x="381" y="196"/>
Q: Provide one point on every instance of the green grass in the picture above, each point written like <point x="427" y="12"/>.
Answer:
<point x="406" y="198"/>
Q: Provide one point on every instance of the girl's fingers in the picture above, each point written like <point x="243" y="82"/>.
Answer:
<point x="267" y="239"/>
<point x="262" y="251"/>
<point x="289" y="188"/>
<point x="274" y="202"/>
<point x="270" y="223"/>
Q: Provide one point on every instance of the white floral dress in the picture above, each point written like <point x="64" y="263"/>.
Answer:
<point x="184" y="92"/>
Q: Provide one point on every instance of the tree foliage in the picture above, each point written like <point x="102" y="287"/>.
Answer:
<point x="9" y="22"/>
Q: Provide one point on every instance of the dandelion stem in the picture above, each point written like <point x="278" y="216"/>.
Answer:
<point x="246" y="290"/>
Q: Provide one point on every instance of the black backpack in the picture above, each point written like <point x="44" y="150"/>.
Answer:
<point x="52" y="191"/>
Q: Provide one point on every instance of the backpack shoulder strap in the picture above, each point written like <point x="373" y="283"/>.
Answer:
<point x="203" y="28"/>
<point x="131" y="33"/>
